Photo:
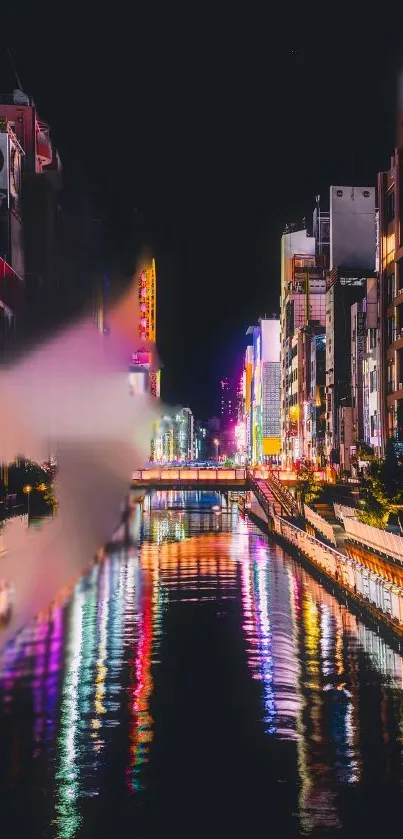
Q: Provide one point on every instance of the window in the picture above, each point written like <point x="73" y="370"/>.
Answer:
<point x="372" y="381"/>
<point x="372" y="338"/>
<point x="390" y="207"/>
<point x="390" y="330"/>
<point x="391" y="287"/>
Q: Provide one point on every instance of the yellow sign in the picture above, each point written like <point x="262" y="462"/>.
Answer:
<point x="271" y="445"/>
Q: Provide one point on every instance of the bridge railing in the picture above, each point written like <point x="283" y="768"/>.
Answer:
<point x="284" y="495"/>
<point x="185" y="475"/>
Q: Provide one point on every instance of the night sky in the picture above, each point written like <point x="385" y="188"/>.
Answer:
<point x="200" y="134"/>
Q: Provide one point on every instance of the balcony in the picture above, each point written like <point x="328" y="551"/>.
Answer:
<point x="393" y="395"/>
<point x="395" y="338"/>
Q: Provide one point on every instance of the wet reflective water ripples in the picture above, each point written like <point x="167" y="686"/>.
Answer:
<point x="205" y="684"/>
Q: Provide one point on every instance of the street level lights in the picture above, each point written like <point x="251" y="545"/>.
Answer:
<point x="216" y="443"/>
<point x="27" y="490"/>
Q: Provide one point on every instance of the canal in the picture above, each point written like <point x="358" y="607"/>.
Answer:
<point x="203" y="684"/>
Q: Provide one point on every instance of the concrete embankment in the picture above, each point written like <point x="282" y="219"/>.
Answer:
<point x="370" y="596"/>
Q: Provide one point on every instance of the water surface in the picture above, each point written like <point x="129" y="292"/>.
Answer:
<point x="204" y="685"/>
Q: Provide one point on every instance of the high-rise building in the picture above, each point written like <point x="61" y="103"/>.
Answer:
<point x="390" y="196"/>
<point x="228" y="403"/>
<point x="317" y="418"/>
<point x="174" y="438"/>
<point x="262" y="392"/>
<point x="353" y="245"/>
<point x="201" y="442"/>
<point x="302" y="314"/>
<point x="322" y="277"/>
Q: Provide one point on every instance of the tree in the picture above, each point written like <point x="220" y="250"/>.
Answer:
<point x="307" y="487"/>
<point x="383" y="489"/>
<point x="23" y="475"/>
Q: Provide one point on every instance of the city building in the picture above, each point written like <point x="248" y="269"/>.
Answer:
<point x="302" y="314"/>
<point x="173" y="438"/>
<point x="143" y="359"/>
<point x="329" y="356"/>
<point x="248" y="416"/>
<point x="260" y="435"/>
<point x="241" y="452"/>
<point x="317" y="415"/>
<point x="201" y="442"/>
<point x="11" y="243"/>
<point x="35" y="181"/>
<point x="390" y="192"/>
<point x="351" y="277"/>
<point x="228" y="403"/>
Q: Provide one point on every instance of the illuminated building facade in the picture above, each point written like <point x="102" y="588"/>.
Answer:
<point x="100" y="304"/>
<point x="323" y="276"/>
<point x="302" y="307"/>
<point x="351" y="280"/>
<point x="11" y="243"/>
<point x="142" y="360"/>
<point x="317" y="401"/>
<point x="240" y="427"/>
<point x="174" y="438"/>
<point x="35" y="180"/>
<point x="201" y="442"/>
<point x="258" y="431"/>
<point x="390" y="196"/>
<point x="227" y="403"/>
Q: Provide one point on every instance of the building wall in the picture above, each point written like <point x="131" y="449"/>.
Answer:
<point x="352" y="227"/>
<point x="318" y="398"/>
<point x="303" y="287"/>
<point x="11" y="237"/>
<point x="228" y="403"/>
<point x="270" y="387"/>
<point x="357" y="360"/>
<point x="344" y="288"/>
<point x="390" y="192"/>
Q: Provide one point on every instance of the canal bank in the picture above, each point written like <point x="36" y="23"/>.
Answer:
<point x="382" y="600"/>
<point x="358" y="605"/>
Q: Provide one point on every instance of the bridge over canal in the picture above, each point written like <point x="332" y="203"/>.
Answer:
<point x="263" y="482"/>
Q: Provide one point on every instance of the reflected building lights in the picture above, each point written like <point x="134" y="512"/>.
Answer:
<point x="311" y="658"/>
<point x="265" y="644"/>
<point x="68" y="818"/>
<point x="53" y="673"/>
<point x="141" y="725"/>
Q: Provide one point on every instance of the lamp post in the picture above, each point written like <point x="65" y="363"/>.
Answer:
<point x="27" y="490"/>
<point x="216" y="443"/>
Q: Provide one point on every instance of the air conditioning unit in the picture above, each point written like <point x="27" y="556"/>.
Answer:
<point x="400" y="385"/>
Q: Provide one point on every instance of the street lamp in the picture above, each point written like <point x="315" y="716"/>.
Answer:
<point x="216" y="443"/>
<point x="27" y="490"/>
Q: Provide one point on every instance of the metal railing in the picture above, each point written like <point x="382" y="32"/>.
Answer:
<point x="341" y="512"/>
<point x="187" y="475"/>
<point x="320" y="524"/>
<point x="388" y="544"/>
<point x="284" y="496"/>
<point x="385" y="597"/>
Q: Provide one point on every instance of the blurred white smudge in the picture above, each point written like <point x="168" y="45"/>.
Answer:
<point x="71" y="397"/>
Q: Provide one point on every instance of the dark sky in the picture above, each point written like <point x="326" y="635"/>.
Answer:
<point x="201" y="134"/>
